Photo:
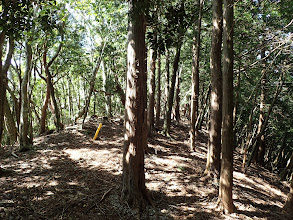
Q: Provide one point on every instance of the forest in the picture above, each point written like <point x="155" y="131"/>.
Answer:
<point x="146" y="109"/>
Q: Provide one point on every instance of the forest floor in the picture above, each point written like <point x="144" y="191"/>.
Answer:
<point x="69" y="176"/>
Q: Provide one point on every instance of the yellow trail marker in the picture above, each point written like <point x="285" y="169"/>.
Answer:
<point x="97" y="132"/>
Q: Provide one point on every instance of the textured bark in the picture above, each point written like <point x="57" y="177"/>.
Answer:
<point x="177" y="96"/>
<point x="169" y="105"/>
<point x="214" y="147"/>
<point x="158" y="98"/>
<point x="226" y="176"/>
<point x="44" y="111"/>
<point x="167" y="80"/>
<point x="152" y="87"/>
<point x="10" y="123"/>
<point x="134" y="190"/>
<point x="24" y="139"/>
<point x="3" y="77"/>
<point x="195" y="78"/>
<point x="288" y="206"/>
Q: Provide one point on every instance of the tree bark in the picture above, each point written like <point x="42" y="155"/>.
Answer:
<point x="226" y="176"/>
<point x="56" y="112"/>
<point x="3" y="77"/>
<point x="195" y="78"/>
<point x="134" y="190"/>
<point x="167" y="80"/>
<point x="260" y="148"/>
<point x="24" y="140"/>
<point x="108" y="105"/>
<point x="44" y="110"/>
<point x="169" y="105"/>
<point x="288" y="206"/>
<point x="214" y="146"/>
<point x="158" y="100"/>
<point x="177" y="96"/>
<point x="10" y="123"/>
<point x="152" y="87"/>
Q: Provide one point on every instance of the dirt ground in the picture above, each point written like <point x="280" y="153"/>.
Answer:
<point x="69" y="176"/>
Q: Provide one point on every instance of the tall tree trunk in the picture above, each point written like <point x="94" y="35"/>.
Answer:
<point x="92" y="86"/>
<point x="288" y="207"/>
<point x="44" y="111"/>
<point x="134" y="190"/>
<point x="105" y="76"/>
<point x="260" y="148"/>
<point x="152" y="87"/>
<point x="56" y="112"/>
<point x="195" y="78"/>
<point x="214" y="146"/>
<point x="10" y="123"/>
<point x="158" y="100"/>
<point x="50" y="92"/>
<point x="24" y="140"/>
<point x="169" y="105"/>
<point x="3" y="76"/>
<point x="177" y="96"/>
<point x="167" y="79"/>
<point x="226" y="176"/>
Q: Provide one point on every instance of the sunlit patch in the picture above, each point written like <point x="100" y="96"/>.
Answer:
<point x="100" y="158"/>
<point x="49" y="193"/>
<point x="52" y="183"/>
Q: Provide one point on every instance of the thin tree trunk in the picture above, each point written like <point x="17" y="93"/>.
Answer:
<point x="226" y="176"/>
<point x="289" y="165"/>
<point x="169" y="105"/>
<point x="167" y="79"/>
<point x="260" y="148"/>
<point x="3" y="76"/>
<point x="92" y="85"/>
<point x="177" y="96"/>
<point x="158" y="100"/>
<point x="108" y="105"/>
<point x="214" y="146"/>
<point x="134" y="190"/>
<point x="194" y="113"/>
<point x="266" y="119"/>
<point x="152" y="87"/>
<point x="24" y="140"/>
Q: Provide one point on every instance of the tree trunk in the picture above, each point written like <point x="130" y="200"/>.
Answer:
<point x="134" y="190"/>
<point x="226" y="176"/>
<point x="195" y="78"/>
<point x="169" y="105"/>
<point x="167" y="79"/>
<point x="158" y="100"/>
<point x="260" y="148"/>
<point x="92" y="86"/>
<point x="44" y="111"/>
<point x="288" y="207"/>
<point x="177" y="96"/>
<point x="214" y="146"/>
<point x="10" y="123"/>
<point x="3" y="77"/>
<point x="108" y="105"/>
<point x="152" y="87"/>
<point x="24" y="140"/>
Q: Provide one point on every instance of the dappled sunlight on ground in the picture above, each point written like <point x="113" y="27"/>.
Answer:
<point x="70" y="176"/>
